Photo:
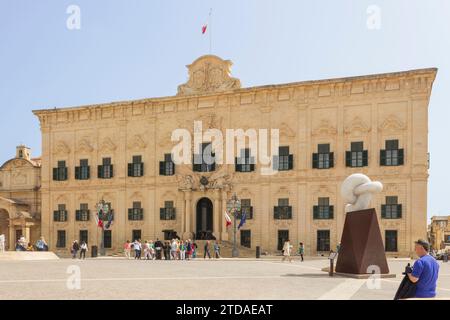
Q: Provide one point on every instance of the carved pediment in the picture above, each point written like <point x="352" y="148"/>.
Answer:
<point x="137" y="143"/>
<point x="286" y="131"/>
<point x="392" y="123"/>
<point x="61" y="148"/>
<point x="108" y="145"/>
<point x="19" y="178"/>
<point x="356" y="127"/>
<point x="209" y="74"/>
<point x="325" y="128"/>
<point x="84" y="146"/>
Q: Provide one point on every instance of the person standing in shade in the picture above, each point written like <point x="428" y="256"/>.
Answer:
<point x="301" y="251"/>
<point x="41" y="245"/>
<point x="83" y="250"/>
<point x="217" y="250"/>
<point x="166" y="249"/>
<point x="75" y="249"/>
<point x="425" y="271"/>
<point x="287" y="248"/>
<point x="207" y="250"/>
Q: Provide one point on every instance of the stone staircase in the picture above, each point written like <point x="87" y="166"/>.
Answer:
<point x="226" y="248"/>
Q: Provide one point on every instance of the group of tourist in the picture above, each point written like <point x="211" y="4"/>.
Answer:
<point x="169" y="250"/>
<point x="79" y="247"/>
<point x="23" y="245"/>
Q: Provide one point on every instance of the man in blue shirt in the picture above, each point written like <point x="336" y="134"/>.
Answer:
<point x="425" y="271"/>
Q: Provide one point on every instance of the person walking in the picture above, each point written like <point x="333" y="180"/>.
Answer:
<point x="207" y="250"/>
<point x="188" y="249"/>
<point x="166" y="249"/>
<point x="425" y="271"/>
<point x="127" y="249"/>
<point x="217" y="250"/>
<point x="83" y="250"/>
<point x="137" y="250"/>
<point x="152" y="250"/>
<point x="301" y="251"/>
<point x="159" y="247"/>
<point x="194" y="250"/>
<point x="75" y="249"/>
<point x="173" y="250"/>
<point x="182" y="250"/>
<point x="287" y="251"/>
<point x="146" y="247"/>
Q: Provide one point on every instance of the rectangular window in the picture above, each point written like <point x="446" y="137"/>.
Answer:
<point x="391" y="210"/>
<point x="83" y="213"/>
<point x="106" y="170"/>
<point x="246" y="238"/>
<point x="205" y="162"/>
<point x="391" y="155"/>
<point x="323" y="240"/>
<point x="60" y="215"/>
<point x="391" y="240"/>
<point x="357" y="156"/>
<point x="323" y="210"/>
<point x="136" y="213"/>
<point x="136" y="168"/>
<point x="245" y="162"/>
<point x="84" y="236"/>
<point x="60" y="173"/>
<point x="167" y="167"/>
<point x="168" y="212"/>
<point x="246" y="207"/>
<point x="107" y="239"/>
<point x="283" y="211"/>
<point x="323" y="159"/>
<point x="283" y="235"/>
<point x="83" y="171"/>
<point x="61" y="239"/>
<point x="284" y="161"/>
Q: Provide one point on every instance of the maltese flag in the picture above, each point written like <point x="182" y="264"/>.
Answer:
<point x="204" y="28"/>
<point x="227" y="219"/>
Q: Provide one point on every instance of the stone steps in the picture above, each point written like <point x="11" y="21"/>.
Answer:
<point x="27" y="256"/>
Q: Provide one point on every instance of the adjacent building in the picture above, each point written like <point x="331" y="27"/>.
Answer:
<point x="439" y="232"/>
<point x="122" y="153"/>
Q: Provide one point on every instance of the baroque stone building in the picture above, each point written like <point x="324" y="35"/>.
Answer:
<point x="439" y="232"/>
<point x="20" y="198"/>
<point x="121" y="152"/>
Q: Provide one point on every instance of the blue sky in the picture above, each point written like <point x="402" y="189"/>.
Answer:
<point x="138" y="49"/>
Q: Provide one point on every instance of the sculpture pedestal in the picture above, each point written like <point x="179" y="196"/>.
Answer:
<point x="362" y="251"/>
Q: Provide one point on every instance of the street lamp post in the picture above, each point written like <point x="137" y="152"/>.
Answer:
<point x="103" y="212"/>
<point x="234" y="208"/>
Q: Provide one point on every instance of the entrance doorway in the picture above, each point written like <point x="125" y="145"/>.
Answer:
<point x="204" y="220"/>
<point x="4" y="226"/>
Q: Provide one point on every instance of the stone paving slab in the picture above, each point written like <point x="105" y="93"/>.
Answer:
<point x="227" y="279"/>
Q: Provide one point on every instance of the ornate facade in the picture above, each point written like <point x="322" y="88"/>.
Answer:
<point x="20" y="198"/>
<point x="120" y="152"/>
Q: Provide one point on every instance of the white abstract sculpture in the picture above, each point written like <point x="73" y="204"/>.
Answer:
<point x="357" y="191"/>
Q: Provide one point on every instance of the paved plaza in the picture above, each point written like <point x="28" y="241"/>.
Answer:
<point x="116" y="278"/>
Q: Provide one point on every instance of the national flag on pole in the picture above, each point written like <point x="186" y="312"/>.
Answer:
<point x="204" y="28"/>
<point x="98" y="221"/>
<point x="243" y="220"/>
<point x="227" y="219"/>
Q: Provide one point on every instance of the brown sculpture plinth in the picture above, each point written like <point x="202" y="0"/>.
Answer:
<point x="361" y="245"/>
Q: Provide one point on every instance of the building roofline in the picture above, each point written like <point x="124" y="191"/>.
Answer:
<point x="397" y="74"/>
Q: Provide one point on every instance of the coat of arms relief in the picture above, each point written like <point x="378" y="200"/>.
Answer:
<point x="209" y="74"/>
